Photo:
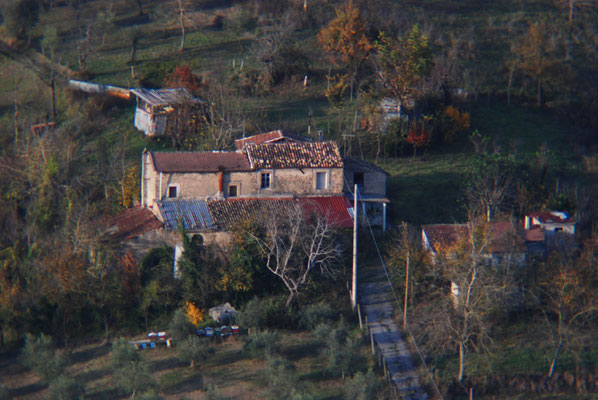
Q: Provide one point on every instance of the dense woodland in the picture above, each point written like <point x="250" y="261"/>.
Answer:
<point x="498" y="118"/>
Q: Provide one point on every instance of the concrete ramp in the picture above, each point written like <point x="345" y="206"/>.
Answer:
<point x="376" y="303"/>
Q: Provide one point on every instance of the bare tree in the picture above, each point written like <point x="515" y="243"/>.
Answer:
<point x="296" y="245"/>
<point x="463" y="319"/>
<point x="489" y="182"/>
<point x="567" y="299"/>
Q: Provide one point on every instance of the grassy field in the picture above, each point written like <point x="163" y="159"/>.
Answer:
<point x="229" y="370"/>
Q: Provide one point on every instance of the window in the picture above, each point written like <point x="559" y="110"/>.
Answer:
<point x="265" y="180"/>
<point x="321" y="181"/>
<point x="233" y="191"/>
<point x="172" y="191"/>
<point x="358" y="178"/>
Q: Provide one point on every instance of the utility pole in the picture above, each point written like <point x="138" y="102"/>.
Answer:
<point x="354" y="283"/>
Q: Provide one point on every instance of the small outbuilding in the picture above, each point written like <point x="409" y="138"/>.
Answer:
<point x="224" y="313"/>
<point x="155" y="106"/>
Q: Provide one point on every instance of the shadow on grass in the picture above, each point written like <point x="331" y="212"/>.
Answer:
<point x="90" y="353"/>
<point x="228" y="357"/>
<point x="27" y="390"/>
<point x="302" y="350"/>
<point x="93" y="375"/>
<point x="165" y="364"/>
<point x="107" y="394"/>
<point x="190" y="383"/>
<point x="425" y="199"/>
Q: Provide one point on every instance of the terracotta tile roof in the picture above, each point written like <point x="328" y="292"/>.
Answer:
<point x="269" y="137"/>
<point x="199" y="161"/>
<point x="133" y="222"/>
<point x="231" y="212"/>
<point x="552" y="217"/>
<point x="534" y="234"/>
<point x="504" y="236"/>
<point x="294" y="155"/>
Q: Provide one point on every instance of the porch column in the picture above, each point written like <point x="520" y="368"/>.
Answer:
<point x="383" y="217"/>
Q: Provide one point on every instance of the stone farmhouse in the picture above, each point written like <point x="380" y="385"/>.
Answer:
<point x="211" y="191"/>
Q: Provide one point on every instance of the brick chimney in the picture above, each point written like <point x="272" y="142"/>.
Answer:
<point x="220" y="182"/>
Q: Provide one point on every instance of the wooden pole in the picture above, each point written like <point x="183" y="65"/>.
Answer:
<point x="354" y="283"/>
<point x="406" y="287"/>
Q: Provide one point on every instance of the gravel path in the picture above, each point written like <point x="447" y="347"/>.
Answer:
<point x="375" y="298"/>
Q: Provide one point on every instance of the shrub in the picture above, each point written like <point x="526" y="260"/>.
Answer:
<point x="180" y="327"/>
<point x="281" y="376"/>
<point x="262" y="345"/>
<point x="4" y="393"/>
<point x="135" y="378"/>
<point x="150" y="395"/>
<point x="361" y="387"/>
<point x="242" y="21"/>
<point x="315" y="314"/>
<point x="193" y="349"/>
<point x="342" y="352"/>
<point x="39" y="355"/>
<point x="64" y="388"/>
<point x="267" y="313"/>
<point x="123" y="354"/>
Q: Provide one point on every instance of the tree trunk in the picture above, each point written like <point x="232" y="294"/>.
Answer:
<point x="509" y="87"/>
<point x="556" y="357"/>
<point x="571" y="5"/>
<point x="461" y="361"/>
<point x="488" y="213"/>
<point x="182" y="23"/>
<point x="134" y="41"/>
<point x="406" y="291"/>
<point x="106" y="328"/>
<point x="53" y="87"/>
<point x="539" y="92"/>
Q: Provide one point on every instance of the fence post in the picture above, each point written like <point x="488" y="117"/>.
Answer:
<point x="359" y="315"/>
<point x="372" y="341"/>
<point x="384" y="366"/>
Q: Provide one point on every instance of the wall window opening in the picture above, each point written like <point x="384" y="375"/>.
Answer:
<point x="265" y="180"/>
<point x="358" y="178"/>
<point x="233" y="191"/>
<point x="321" y="181"/>
<point x="172" y="192"/>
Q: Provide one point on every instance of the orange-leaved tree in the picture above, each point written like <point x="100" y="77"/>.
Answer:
<point x="194" y="314"/>
<point x="183" y="77"/>
<point x="535" y="55"/>
<point x="345" y="37"/>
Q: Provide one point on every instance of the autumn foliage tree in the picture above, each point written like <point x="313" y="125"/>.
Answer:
<point x="419" y="136"/>
<point x="403" y="64"/>
<point x="345" y="38"/>
<point x="535" y="55"/>
<point x="183" y="77"/>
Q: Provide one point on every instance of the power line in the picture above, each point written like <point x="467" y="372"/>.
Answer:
<point x="419" y="353"/>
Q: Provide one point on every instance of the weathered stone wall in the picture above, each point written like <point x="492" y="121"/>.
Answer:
<point x="302" y="181"/>
<point x="284" y="181"/>
<point x="374" y="183"/>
